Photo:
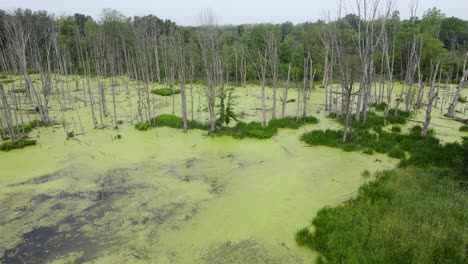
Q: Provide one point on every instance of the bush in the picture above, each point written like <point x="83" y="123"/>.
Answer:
<point x="464" y="128"/>
<point x="19" y="144"/>
<point x="165" y="91"/>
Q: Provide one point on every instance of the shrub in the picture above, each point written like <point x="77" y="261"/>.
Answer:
<point x="19" y="144"/>
<point x="119" y="122"/>
<point x="291" y="101"/>
<point x="165" y="91"/>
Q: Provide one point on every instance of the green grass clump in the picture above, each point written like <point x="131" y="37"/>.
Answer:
<point x="368" y="151"/>
<point x="292" y="122"/>
<point x="464" y="128"/>
<point x="366" y="174"/>
<point x="396" y="129"/>
<point x="380" y="107"/>
<point x="6" y="81"/>
<point x="142" y="126"/>
<point x="19" y="144"/>
<point x="28" y="127"/>
<point x="173" y="121"/>
<point x="423" y="151"/>
<point x="240" y="130"/>
<point x="407" y="215"/>
<point x="165" y="91"/>
<point x="248" y="130"/>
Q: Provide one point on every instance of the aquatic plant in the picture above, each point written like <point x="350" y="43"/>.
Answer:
<point x="165" y="91"/>
<point x="22" y="143"/>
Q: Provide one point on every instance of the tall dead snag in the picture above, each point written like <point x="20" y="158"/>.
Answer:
<point x="209" y="44"/>
<point x="413" y="60"/>
<point x="181" y="70"/>
<point x="388" y="51"/>
<point x="453" y="105"/>
<point x="370" y="30"/>
<point x="272" y="39"/>
<point x="285" y="93"/>
<point x="433" y="94"/>
<point x="346" y="72"/>
<point x="7" y="113"/>
<point x="18" y="29"/>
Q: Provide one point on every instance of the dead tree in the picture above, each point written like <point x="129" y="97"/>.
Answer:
<point x="433" y="94"/>
<point x="209" y="44"/>
<point x="453" y="104"/>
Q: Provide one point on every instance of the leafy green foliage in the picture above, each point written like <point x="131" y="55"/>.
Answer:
<point x="165" y="91"/>
<point x="19" y="144"/>
<point x="464" y="128"/>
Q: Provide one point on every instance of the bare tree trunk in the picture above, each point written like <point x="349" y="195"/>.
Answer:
<point x="7" y="114"/>
<point x="453" y="105"/>
<point x="285" y="93"/>
<point x="432" y="96"/>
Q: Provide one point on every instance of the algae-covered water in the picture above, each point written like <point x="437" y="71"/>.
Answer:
<point x="164" y="196"/>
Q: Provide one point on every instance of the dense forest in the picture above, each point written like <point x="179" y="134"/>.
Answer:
<point x="367" y="74"/>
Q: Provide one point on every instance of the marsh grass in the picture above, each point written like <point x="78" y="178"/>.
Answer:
<point x="165" y="91"/>
<point x="19" y="144"/>
<point x="240" y="130"/>
<point x="411" y="215"/>
<point x="28" y="127"/>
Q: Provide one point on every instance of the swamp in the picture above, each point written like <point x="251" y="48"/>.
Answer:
<point x="137" y="140"/>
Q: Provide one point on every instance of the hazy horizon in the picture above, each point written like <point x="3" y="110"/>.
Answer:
<point x="227" y="12"/>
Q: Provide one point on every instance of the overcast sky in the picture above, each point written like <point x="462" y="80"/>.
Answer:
<point x="185" y="12"/>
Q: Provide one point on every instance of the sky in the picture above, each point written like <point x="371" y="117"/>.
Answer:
<point x="185" y="12"/>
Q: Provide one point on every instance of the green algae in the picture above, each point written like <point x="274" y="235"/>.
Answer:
<point x="163" y="196"/>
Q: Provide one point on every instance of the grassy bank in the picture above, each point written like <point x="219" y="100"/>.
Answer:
<point x="413" y="214"/>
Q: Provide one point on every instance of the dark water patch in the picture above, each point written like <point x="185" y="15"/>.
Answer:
<point x="191" y="162"/>
<point x="40" y="180"/>
<point x="46" y="243"/>
<point x="216" y="187"/>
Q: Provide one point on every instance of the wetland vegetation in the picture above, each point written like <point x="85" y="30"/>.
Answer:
<point x="137" y="140"/>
